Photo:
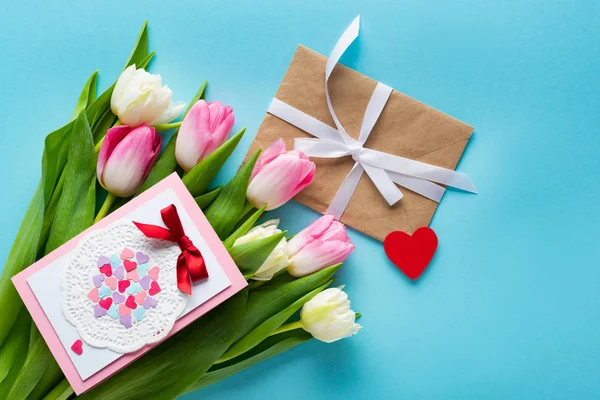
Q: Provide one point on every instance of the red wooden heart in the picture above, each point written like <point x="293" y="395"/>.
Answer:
<point x="411" y="254"/>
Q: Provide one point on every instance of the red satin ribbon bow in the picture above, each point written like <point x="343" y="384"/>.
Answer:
<point x="190" y="263"/>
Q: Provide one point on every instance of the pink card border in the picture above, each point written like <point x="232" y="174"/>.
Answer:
<point x="59" y="352"/>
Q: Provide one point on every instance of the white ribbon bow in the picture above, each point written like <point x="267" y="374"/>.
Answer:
<point x="384" y="169"/>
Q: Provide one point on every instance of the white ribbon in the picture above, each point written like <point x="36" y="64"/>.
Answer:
<point x="384" y="169"/>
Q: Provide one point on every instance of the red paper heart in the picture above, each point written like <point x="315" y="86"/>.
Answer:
<point x="411" y="254"/>
<point x="106" y="303"/>
<point x="131" y="302"/>
<point x="77" y="347"/>
<point x="123" y="285"/>
<point x="129" y="265"/>
<point x="106" y="270"/>
<point x="154" y="288"/>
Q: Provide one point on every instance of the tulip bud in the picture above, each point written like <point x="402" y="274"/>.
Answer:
<point x="322" y="244"/>
<point x="277" y="260"/>
<point x="125" y="158"/>
<point x="328" y="316"/>
<point x="279" y="175"/>
<point x="140" y="98"/>
<point x="204" y="129"/>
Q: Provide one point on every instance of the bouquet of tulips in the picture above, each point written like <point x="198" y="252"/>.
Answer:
<point x="108" y="153"/>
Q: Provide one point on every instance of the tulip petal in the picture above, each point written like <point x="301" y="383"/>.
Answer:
<point x="220" y="135"/>
<point x="318" y="255"/>
<point x="275" y="149"/>
<point x="156" y="104"/>
<point x="314" y="231"/>
<point x="112" y="138"/>
<point x="193" y="136"/>
<point x="122" y="83"/>
<point x="130" y="161"/>
<point x="172" y="112"/>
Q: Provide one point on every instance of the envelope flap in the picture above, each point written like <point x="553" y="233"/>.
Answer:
<point x="407" y="128"/>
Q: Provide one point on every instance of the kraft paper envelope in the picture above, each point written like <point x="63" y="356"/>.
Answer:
<point x="406" y="128"/>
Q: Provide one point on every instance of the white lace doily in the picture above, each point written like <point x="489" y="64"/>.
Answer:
<point x="107" y="311"/>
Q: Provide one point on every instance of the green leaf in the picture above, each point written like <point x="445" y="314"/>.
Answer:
<point x="269" y="348"/>
<point x="250" y="256"/>
<point x="51" y="377"/>
<point x="37" y="362"/>
<point x="169" y="369"/>
<point x="76" y="208"/>
<point x="265" y="329"/>
<point x="140" y="49"/>
<point x="54" y="158"/>
<point x="167" y="163"/>
<point x="14" y="350"/>
<point x="88" y="95"/>
<point x="244" y="228"/>
<point x="103" y="124"/>
<point x="200" y="177"/>
<point x="22" y="254"/>
<point x="204" y="200"/>
<point x="268" y="300"/>
<point x="225" y="211"/>
<point x="199" y="95"/>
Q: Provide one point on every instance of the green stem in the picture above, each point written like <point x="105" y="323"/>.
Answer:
<point x="287" y="327"/>
<point x="110" y="198"/>
<point x="62" y="391"/>
<point x="166" y="127"/>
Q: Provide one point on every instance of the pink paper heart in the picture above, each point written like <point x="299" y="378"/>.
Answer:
<point x="140" y="297"/>
<point x="106" y="269"/>
<point x="126" y="253"/>
<point x="124" y="310"/>
<point x="93" y="295"/>
<point x="154" y="288"/>
<point x="111" y="282"/>
<point x="133" y="275"/>
<point x="153" y="273"/>
<point x="129" y="265"/>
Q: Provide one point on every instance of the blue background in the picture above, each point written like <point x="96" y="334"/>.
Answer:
<point x="509" y="306"/>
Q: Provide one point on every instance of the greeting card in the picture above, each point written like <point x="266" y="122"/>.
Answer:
<point x="130" y="281"/>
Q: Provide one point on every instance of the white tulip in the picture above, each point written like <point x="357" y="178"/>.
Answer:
<point x="328" y="316"/>
<point x="139" y="97"/>
<point x="277" y="260"/>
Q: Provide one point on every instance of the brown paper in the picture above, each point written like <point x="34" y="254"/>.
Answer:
<point x="406" y="128"/>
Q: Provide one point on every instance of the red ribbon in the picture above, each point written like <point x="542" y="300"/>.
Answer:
<point x="190" y="263"/>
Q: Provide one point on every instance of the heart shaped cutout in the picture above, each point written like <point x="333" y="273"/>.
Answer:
<point x="154" y="288"/>
<point x="153" y="273"/>
<point x="111" y="282"/>
<point x="133" y="275"/>
<point x="411" y="254"/>
<point x="123" y="285"/>
<point x="142" y="258"/>
<point x="131" y="302"/>
<point x="126" y="253"/>
<point x="129" y="265"/>
<point x="77" y="347"/>
<point x="106" y="303"/>
<point x="106" y="269"/>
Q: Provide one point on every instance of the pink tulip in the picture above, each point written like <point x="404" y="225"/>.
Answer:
<point x="203" y="130"/>
<point x="322" y="244"/>
<point x="125" y="158"/>
<point x="278" y="176"/>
